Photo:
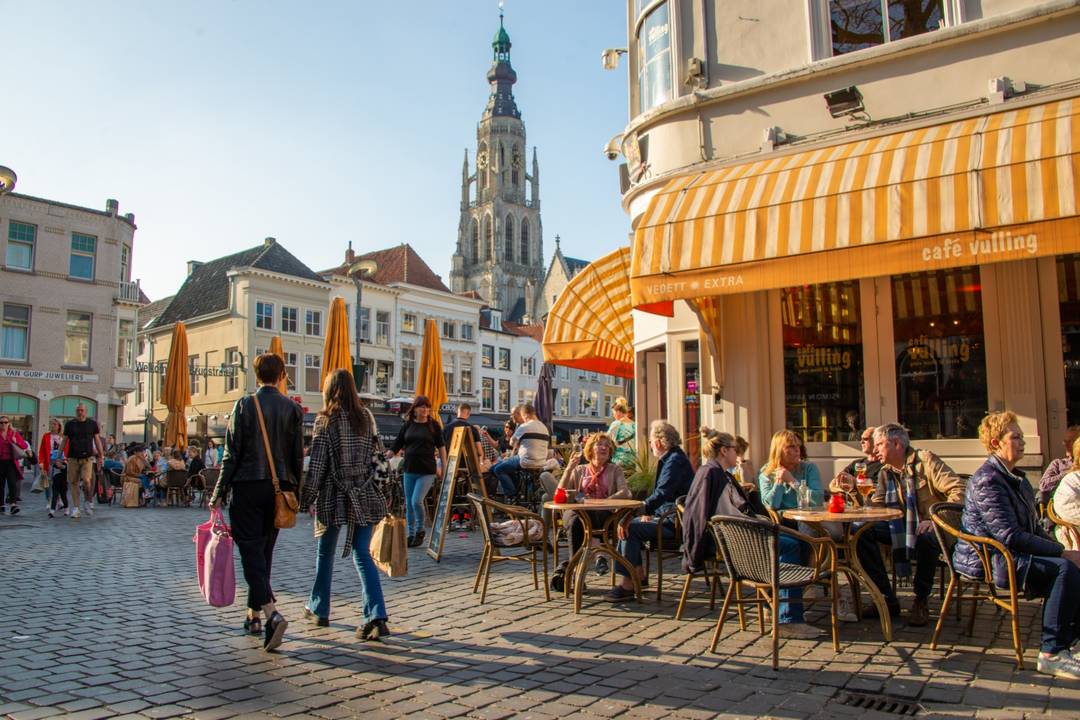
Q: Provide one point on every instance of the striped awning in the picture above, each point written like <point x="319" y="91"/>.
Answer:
<point x="590" y="326"/>
<point x="960" y="193"/>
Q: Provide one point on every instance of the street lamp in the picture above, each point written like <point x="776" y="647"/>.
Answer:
<point x="358" y="271"/>
<point x="7" y="180"/>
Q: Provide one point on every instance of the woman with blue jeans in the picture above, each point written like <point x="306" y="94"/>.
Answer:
<point x="420" y="438"/>
<point x="342" y="490"/>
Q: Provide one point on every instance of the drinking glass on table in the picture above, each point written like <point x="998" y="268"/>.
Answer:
<point x="862" y="483"/>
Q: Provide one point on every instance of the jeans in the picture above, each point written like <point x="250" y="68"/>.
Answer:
<point x="11" y="480"/>
<point x="319" y="602"/>
<point x="1057" y="580"/>
<point x="927" y="553"/>
<point x="416" y="489"/>
<point x="791" y="551"/>
<point x="505" y="471"/>
<point x="251" y="514"/>
<point x="638" y="533"/>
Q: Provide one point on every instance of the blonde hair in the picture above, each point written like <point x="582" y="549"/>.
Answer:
<point x="712" y="441"/>
<point x="993" y="427"/>
<point x="621" y="405"/>
<point x="779" y="439"/>
<point x="1075" y="454"/>
<point x="593" y="441"/>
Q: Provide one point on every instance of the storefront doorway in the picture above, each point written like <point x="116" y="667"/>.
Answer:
<point x="22" y="411"/>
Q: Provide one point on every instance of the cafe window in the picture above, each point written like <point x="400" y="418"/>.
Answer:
<point x="383" y="371"/>
<point x="1068" y="277"/>
<point x="940" y="353"/>
<point x="654" y="58"/>
<point x="691" y="373"/>
<point x="823" y="361"/>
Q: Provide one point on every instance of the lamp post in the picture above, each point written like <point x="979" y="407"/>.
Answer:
<point x="357" y="271"/>
<point x="7" y="180"/>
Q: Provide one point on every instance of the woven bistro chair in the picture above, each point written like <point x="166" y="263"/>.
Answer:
<point x="210" y="475"/>
<point x="175" y="482"/>
<point x="751" y="550"/>
<point x="948" y="527"/>
<point x="532" y="552"/>
<point x="1070" y="529"/>
<point x="664" y="549"/>
<point x="710" y="573"/>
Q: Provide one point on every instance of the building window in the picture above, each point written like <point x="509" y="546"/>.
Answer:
<point x="823" y="361"/>
<point x="466" y="376"/>
<point x="77" y="339"/>
<point x="487" y="356"/>
<point x="83" y="250"/>
<point x="524" y="249"/>
<point x="313" y="323"/>
<point x="508" y="238"/>
<point x="20" y="249"/>
<point x="564" y="372"/>
<point x="940" y="354"/>
<point x="140" y="391"/>
<point x="289" y="317"/>
<point x="528" y="365"/>
<point x="264" y="315"/>
<point x="382" y="327"/>
<point x="504" y="358"/>
<point x="466" y="331"/>
<point x="448" y="378"/>
<point x="448" y="329"/>
<point x="504" y="396"/>
<point x="312" y="372"/>
<point x="582" y="402"/>
<point x="607" y="405"/>
<point x="408" y="369"/>
<point x="193" y="379"/>
<point x="475" y="241"/>
<point x="564" y="401"/>
<point x="487" y="393"/>
<point x="365" y="325"/>
<point x="408" y="323"/>
<point x="383" y="371"/>
<point x="232" y="359"/>
<point x="125" y="263"/>
<point x="290" y="369"/>
<point x="125" y="344"/>
<point x="1068" y="277"/>
<point x="654" y="58"/>
<point x="850" y="25"/>
<point x="15" y="334"/>
<point x="594" y="403"/>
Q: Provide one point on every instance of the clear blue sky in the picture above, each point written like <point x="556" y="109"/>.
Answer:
<point x="220" y="123"/>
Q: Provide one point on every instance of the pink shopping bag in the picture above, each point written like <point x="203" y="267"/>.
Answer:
<point x="214" y="561"/>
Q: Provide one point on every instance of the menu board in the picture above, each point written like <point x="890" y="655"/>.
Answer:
<point x="461" y="467"/>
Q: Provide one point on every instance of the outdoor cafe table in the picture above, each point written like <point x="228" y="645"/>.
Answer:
<point x="847" y="560"/>
<point x="580" y="561"/>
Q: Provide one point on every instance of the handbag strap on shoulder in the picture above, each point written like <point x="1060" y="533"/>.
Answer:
<point x="266" y="443"/>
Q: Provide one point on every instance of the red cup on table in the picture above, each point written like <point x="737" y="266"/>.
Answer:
<point x="836" y="503"/>
<point x="560" y="495"/>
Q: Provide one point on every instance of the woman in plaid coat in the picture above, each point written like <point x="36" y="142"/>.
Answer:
<point x="342" y="490"/>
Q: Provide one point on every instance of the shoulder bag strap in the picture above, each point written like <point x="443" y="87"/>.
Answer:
<point x="266" y="443"/>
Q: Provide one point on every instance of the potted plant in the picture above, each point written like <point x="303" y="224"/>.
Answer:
<point x="642" y="476"/>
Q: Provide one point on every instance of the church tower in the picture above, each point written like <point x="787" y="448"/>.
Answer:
<point x="500" y="248"/>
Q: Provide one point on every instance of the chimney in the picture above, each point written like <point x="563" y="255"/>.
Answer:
<point x="112" y="207"/>
<point x="192" y="265"/>
<point x="130" y="217"/>
<point x="350" y="255"/>
<point x="269" y="241"/>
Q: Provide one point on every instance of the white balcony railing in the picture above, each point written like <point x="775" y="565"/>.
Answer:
<point x="128" y="292"/>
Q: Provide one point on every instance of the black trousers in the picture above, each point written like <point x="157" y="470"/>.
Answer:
<point x="59" y="489"/>
<point x="11" y="480"/>
<point x="927" y="553"/>
<point x="251" y="514"/>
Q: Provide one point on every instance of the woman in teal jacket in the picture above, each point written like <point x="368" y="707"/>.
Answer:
<point x="779" y="479"/>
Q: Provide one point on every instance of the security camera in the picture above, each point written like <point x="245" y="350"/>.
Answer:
<point x="614" y="147"/>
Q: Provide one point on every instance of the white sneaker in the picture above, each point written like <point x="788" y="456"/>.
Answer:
<point x="67" y="512"/>
<point x="845" y="611"/>
<point x="90" y="509"/>
<point x="75" y="514"/>
<point x="1062" y="665"/>
<point x="51" y="513"/>
<point x="800" y="631"/>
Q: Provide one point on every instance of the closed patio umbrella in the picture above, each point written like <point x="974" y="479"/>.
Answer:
<point x="277" y="349"/>
<point x="336" y="349"/>
<point x="543" y="400"/>
<point x="431" y="382"/>
<point x="177" y="392"/>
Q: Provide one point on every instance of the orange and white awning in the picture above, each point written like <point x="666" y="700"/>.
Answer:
<point x="590" y="325"/>
<point x="960" y="193"/>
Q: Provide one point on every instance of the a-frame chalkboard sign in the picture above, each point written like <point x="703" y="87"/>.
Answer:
<point x="462" y="466"/>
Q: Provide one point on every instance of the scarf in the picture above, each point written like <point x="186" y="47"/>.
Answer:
<point x="594" y="484"/>
<point x="900" y="494"/>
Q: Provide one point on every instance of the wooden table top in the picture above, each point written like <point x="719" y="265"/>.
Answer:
<point x="850" y="514"/>
<point x="590" y="504"/>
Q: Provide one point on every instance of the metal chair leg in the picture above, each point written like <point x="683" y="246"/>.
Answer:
<point x="723" y="614"/>
<point x="682" y="598"/>
<point x="944" y="611"/>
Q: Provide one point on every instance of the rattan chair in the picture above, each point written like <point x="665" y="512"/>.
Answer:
<point x="210" y="475"/>
<point x="531" y="551"/>
<point x="710" y="573"/>
<point x="1070" y="529"/>
<point x="751" y="550"/>
<point x="948" y="527"/>
<point x="116" y="481"/>
<point x="663" y="549"/>
<point x="175" y="482"/>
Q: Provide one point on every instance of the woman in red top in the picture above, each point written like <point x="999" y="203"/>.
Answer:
<point x="52" y="458"/>
<point x="10" y="472"/>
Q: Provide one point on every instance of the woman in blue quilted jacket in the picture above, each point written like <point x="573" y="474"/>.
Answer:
<point x="1000" y="504"/>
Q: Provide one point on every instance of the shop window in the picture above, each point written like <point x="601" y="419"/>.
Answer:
<point x="654" y="58"/>
<point x="63" y="408"/>
<point x="383" y="371"/>
<point x="21" y="410"/>
<point x="691" y="373"/>
<point x="940" y="354"/>
<point x="823" y="361"/>
<point x="1068" y="277"/>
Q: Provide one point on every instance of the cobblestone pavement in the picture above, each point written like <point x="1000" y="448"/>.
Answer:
<point x="102" y="618"/>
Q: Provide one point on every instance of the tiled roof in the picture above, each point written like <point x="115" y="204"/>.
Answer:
<point x="575" y="265"/>
<point x="517" y="312"/>
<point x="206" y="289"/>
<point x="399" y="264"/>
<point x="150" y="312"/>
<point x="472" y="295"/>
<point x="144" y="299"/>
<point x="533" y="330"/>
